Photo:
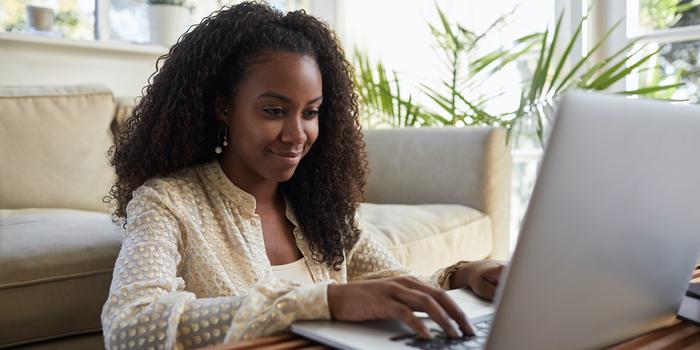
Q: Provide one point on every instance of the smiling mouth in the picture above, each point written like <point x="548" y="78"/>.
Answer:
<point x="289" y="158"/>
<point x="287" y="154"/>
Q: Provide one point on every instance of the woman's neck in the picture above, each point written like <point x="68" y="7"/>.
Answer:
<point x="267" y="196"/>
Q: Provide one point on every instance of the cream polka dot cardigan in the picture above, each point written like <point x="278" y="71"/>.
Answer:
<point x="192" y="270"/>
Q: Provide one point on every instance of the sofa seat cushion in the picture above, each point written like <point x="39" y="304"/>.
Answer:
<point x="56" y="271"/>
<point x="426" y="237"/>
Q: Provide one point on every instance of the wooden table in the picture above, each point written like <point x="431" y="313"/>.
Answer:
<point x="679" y="335"/>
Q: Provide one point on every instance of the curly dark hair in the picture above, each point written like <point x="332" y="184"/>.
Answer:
<point x="174" y="124"/>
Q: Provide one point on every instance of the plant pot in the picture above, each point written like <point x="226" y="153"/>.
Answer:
<point x="40" y="18"/>
<point x="166" y="23"/>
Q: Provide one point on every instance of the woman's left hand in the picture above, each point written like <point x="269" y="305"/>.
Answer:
<point x="480" y="276"/>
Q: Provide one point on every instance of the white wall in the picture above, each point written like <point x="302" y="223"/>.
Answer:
<point x="125" y="68"/>
<point x="397" y="34"/>
<point x="38" y="61"/>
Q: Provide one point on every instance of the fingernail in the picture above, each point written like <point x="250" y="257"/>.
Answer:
<point x="469" y="330"/>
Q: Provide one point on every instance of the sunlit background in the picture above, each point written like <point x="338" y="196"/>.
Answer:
<point x="401" y="37"/>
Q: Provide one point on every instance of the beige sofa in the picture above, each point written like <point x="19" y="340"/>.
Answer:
<point x="437" y="195"/>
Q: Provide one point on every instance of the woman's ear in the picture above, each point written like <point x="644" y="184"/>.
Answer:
<point x="222" y="109"/>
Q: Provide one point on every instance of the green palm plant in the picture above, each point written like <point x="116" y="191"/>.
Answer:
<point x="456" y="101"/>
<point x="551" y="79"/>
<point x="458" y="97"/>
<point x="382" y="101"/>
<point x="380" y="89"/>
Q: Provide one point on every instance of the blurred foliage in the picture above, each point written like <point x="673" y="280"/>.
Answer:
<point x="677" y="62"/>
<point x="67" y="22"/>
<point x="70" y="20"/>
<point x="455" y="100"/>
<point x="551" y="79"/>
<point x="458" y="100"/>
<point x="662" y="14"/>
<point x="12" y="15"/>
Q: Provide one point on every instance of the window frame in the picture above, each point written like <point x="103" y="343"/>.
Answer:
<point x="603" y="16"/>
<point x="102" y="32"/>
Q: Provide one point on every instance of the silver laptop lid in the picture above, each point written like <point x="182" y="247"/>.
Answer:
<point x="613" y="227"/>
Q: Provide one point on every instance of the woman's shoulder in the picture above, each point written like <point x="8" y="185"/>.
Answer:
<point x="175" y="181"/>
<point x="177" y="187"/>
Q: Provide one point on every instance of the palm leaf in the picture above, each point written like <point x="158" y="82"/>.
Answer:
<point x="585" y="59"/>
<point x="552" y="47"/>
<point x="567" y="51"/>
<point x="650" y="89"/>
<point x="625" y="72"/>
<point x="599" y="82"/>
<point x="539" y="76"/>
<point x="591" y="71"/>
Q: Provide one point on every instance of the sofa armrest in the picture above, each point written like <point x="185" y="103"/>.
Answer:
<point x="469" y="166"/>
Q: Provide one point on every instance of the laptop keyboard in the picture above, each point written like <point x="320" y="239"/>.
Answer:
<point x="442" y="341"/>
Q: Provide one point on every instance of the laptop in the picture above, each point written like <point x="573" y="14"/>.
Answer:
<point x="607" y="245"/>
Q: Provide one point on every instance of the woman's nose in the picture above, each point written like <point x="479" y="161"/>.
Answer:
<point x="293" y="130"/>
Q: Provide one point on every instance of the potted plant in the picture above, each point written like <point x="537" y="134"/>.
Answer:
<point x="458" y="101"/>
<point x="40" y="18"/>
<point x="167" y="20"/>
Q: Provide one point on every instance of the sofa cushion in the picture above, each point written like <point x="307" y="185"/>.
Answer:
<point x="427" y="237"/>
<point x="56" y="271"/>
<point x="56" y="140"/>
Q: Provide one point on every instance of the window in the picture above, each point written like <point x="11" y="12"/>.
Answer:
<point x="670" y="26"/>
<point x="653" y="15"/>
<point x="128" y="21"/>
<point x="673" y="27"/>
<point x="117" y="20"/>
<point x="72" y="19"/>
<point x="400" y="37"/>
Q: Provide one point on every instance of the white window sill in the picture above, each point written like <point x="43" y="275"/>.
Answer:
<point x="118" y="46"/>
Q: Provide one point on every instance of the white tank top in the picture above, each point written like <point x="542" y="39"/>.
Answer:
<point x="296" y="271"/>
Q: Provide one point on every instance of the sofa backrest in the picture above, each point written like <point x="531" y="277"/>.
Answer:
<point x="53" y="146"/>
<point x="469" y="166"/>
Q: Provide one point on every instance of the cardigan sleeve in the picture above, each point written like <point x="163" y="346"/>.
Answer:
<point x="148" y="306"/>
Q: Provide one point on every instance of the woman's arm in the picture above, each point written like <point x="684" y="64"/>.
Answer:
<point x="381" y="288"/>
<point x="148" y="306"/>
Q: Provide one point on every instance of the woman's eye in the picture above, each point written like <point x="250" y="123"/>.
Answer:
<point x="311" y="114"/>
<point x="274" y="111"/>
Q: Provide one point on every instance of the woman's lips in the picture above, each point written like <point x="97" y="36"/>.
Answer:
<point x="289" y="158"/>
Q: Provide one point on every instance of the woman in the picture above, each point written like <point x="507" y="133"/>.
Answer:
<point x="238" y="177"/>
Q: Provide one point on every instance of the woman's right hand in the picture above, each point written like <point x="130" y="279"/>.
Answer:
<point x="396" y="298"/>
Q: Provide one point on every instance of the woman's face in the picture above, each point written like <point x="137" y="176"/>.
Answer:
<point x="272" y="117"/>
